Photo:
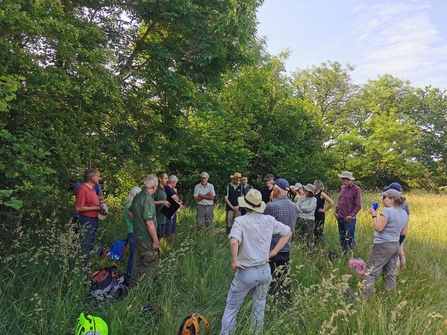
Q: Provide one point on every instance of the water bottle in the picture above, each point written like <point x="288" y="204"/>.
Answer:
<point x="375" y="205"/>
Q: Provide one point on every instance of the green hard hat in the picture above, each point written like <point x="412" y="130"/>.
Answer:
<point x="91" y="325"/>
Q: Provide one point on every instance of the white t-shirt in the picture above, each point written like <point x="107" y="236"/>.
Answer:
<point x="397" y="219"/>
<point x="254" y="232"/>
<point x="199" y="189"/>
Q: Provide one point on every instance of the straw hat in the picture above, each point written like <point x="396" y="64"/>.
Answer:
<point x="252" y="200"/>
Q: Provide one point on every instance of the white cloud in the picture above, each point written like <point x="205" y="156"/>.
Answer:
<point x="399" y="39"/>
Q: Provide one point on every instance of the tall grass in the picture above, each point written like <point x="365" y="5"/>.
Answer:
<point x="42" y="287"/>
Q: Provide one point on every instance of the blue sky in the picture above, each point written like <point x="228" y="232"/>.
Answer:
<point x="407" y="39"/>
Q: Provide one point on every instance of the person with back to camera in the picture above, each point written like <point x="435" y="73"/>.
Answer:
<point x="401" y="261"/>
<point x="130" y="235"/>
<point x="320" y="211"/>
<point x="392" y="222"/>
<point x="306" y="215"/>
<point x="250" y="252"/>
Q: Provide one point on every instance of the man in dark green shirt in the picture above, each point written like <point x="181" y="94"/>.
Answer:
<point x="143" y="215"/>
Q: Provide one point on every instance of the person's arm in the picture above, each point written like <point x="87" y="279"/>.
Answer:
<point x="310" y="207"/>
<point x="234" y="247"/>
<point x="324" y="196"/>
<point x="281" y="243"/>
<point x="378" y="222"/>
<point x="357" y="202"/>
<point x="208" y="196"/>
<point x="162" y="202"/>
<point x="404" y="231"/>
<point x="153" y="232"/>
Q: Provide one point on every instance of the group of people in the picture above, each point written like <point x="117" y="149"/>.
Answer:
<point x="259" y="224"/>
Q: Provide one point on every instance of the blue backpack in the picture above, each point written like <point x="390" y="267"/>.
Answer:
<point x="116" y="251"/>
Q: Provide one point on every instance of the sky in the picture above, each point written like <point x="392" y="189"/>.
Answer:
<point x="404" y="38"/>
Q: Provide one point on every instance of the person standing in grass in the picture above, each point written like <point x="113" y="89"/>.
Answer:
<point x="88" y="206"/>
<point x="250" y="252"/>
<point x="130" y="235"/>
<point x="392" y="222"/>
<point x="160" y="201"/>
<point x="349" y="204"/>
<point x="143" y="215"/>
<point x="320" y="211"/>
<point x="232" y="191"/>
<point x="171" y="192"/>
<point x="204" y="197"/>
<point x="401" y="261"/>
<point x="306" y="215"/>
<point x="285" y="211"/>
<point x="245" y="188"/>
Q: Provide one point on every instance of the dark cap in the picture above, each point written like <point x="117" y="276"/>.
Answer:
<point x="269" y="177"/>
<point x="281" y="183"/>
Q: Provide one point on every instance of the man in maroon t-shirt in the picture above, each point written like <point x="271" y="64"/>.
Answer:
<point x="88" y="206"/>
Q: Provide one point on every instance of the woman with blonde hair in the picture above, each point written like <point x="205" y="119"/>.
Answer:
<point x="130" y="235"/>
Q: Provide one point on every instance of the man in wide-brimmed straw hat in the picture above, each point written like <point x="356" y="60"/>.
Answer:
<point x="349" y="204"/>
<point x="232" y="191"/>
<point x="250" y="236"/>
<point x="285" y="211"/>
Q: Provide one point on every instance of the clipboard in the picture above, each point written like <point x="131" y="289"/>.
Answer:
<point x="170" y="211"/>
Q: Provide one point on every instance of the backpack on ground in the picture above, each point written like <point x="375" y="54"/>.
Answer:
<point x="108" y="284"/>
<point x="116" y="251"/>
<point x="190" y="325"/>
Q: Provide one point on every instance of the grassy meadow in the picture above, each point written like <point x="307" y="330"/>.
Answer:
<point x="43" y="291"/>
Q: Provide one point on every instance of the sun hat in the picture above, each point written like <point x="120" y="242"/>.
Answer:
<point x="236" y="175"/>
<point x="252" y="200"/>
<point x="204" y="174"/>
<point x="269" y="176"/>
<point x="394" y="186"/>
<point x="104" y="211"/>
<point x="346" y="175"/>
<point x="391" y="193"/>
<point x="281" y="183"/>
<point x="310" y="188"/>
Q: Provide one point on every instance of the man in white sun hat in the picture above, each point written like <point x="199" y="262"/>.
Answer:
<point x="250" y="252"/>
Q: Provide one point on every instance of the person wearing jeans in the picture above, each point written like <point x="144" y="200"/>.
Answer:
<point x="250" y="239"/>
<point x="349" y="204"/>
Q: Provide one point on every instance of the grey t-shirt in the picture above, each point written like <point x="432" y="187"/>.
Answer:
<point x="397" y="219"/>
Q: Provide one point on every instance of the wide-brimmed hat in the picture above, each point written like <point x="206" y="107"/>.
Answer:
<point x="269" y="177"/>
<point x="204" y="174"/>
<point x="346" y="175"/>
<point x="391" y="193"/>
<point x="103" y="212"/>
<point x="281" y="183"/>
<point x="252" y="200"/>
<point x="394" y="186"/>
<point x="236" y="175"/>
<point x="310" y="188"/>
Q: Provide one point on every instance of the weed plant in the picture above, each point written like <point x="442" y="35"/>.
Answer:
<point x="43" y="289"/>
